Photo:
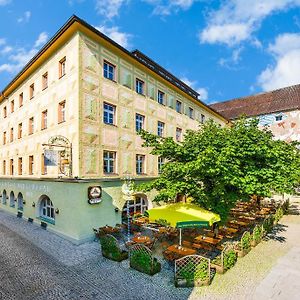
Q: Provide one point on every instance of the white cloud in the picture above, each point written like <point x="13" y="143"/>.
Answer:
<point x="115" y="34"/>
<point x="2" y="42"/>
<point x="6" y="50"/>
<point x="109" y="8"/>
<point x="19" y="57"/>
<point x="233" y="60"/>
<point x="4" y="2"/>
<point x="166" y="7"/>
<point x="43" y="37"/>
<point x="194" y="85"/>
<point x="25" y="18"/>
<point x="286" y="69"/>
<point x="236" y="20"/>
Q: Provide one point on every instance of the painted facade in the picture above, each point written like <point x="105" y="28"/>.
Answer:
<point x="284" y="125"/>
<point x="57" y="195"/>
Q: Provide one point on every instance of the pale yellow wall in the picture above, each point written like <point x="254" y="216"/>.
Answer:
<point x="97" y="136"/>
<point x="65" y="88"/>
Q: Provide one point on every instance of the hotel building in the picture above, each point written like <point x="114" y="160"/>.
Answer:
<point x="68" y="131"/>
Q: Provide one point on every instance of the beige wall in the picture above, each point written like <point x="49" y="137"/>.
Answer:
<point x="65" y="88"/>
<point x="97" y="136"/>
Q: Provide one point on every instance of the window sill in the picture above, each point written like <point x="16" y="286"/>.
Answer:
<point x="110" y="174"/>
<point x="60" y="122"/>
<point x="47" y="220"/>
<point x="110" y="124"/>
<point x="111" y="80"/>
<point x="44" y="88"/>
<point x="141" y="94"/>
<point x="61" y="76"/>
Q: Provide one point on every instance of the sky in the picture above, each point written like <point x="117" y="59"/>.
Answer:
<point x="222" y="49"/>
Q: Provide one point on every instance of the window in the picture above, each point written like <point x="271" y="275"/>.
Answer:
<point x="139" y="122"/>
<point x="160" y="97"/>
<point x="178" y="106"/>
<point x="160" y="163"/>
<point x="20" y="166"/>
<point x="202" y="118"/>
<point x="62" y="112"/>
<point x="20" y="131"/>
<point x="109" y="161"/>
<point x="4" y="112"/>
<point x="43" y="166"/>
<point x="109" y="113"/>
<point x="31" y="126"/>
<point x="47" y="209"/>
<point x="62" y="67"/>
<point x="4" y="167"/>
<point x="137" y="206"/>
<point x="139" y="86"/>
<point x="109" y="70"/>
<point x="31" y="91"/>
<point x="140" y="164"/>
<point x="45" y="81"/>
<point x="44" y="119"/>
<point x="12" y="106"/>
<point x="11" y="135"/>
<point x="21" y="98"/>
<point x="278" y="118"/>
<point x="191" y="113"/>
<point x="4" y="137"/>
<point x="178" y="134"/>
<point x="11" y="167"/>
<point x="31" y="164"/>
<point x="160" y="128"/>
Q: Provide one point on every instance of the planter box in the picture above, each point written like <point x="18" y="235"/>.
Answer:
<point x="242" y="253"/>
<point x="219" y="269"/>
<point x="184" y="283"/>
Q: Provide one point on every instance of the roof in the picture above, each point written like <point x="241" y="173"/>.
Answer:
<point x="138" y="56"/>
<point x="284" y="99"/>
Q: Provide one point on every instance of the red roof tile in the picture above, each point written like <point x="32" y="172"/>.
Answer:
<point x="284" y="99"/>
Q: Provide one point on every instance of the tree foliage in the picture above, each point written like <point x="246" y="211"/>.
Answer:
<point x="217" y="166"/>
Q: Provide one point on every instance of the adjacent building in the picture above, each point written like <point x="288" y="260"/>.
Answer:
<point x="278" y="109"/>
<point x="68" y="131"/>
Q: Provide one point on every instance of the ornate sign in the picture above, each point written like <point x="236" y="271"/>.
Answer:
<point x="50" y="157"/>
<point x="94" y="194"/>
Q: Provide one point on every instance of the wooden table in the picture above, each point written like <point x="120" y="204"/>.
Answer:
<point x="141" y="239"/>
<point x="229" y="230"/>
<point x="239" y="223"/>
<point x="247" y="218"/>
<point x="208" y="240"/>
<point x="110" y="229"/>
<point x="181" y="251"/>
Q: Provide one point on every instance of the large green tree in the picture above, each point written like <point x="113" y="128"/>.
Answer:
<point x="217" y="166"/>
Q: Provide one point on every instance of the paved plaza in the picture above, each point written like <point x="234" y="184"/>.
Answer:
<point x="37" y="264"/>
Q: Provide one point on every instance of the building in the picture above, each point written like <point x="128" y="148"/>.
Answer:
<point x="278" y="109"/>
<point x="69" y="123"/>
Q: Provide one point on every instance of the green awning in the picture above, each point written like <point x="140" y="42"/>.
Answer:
<point x="183" y="215"/>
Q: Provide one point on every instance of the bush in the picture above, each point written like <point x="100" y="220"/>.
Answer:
<point x="246" y="241"/>
<point x="268" y="224"/>
<point x="257" y="234"/>
<point x="110" y="249"/>
<point x="229" y="259"/>
<point x="278" y="215"/>
<point x="143" y="262"/>
<point x="201" y="272"/>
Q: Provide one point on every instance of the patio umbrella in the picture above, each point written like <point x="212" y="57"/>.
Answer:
<point x="183" y="215"/>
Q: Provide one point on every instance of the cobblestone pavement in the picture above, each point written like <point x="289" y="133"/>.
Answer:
<point x="29" y="272"/>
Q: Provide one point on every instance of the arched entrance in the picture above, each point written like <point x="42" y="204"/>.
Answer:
<point x="137" y="206"/>
<point x="4" y="195"/>
<point x="12" y="199"/>
<point x="20" y="201"/>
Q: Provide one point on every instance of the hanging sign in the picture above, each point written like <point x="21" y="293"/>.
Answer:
<point x="94" y="194"/>
<point x="50" y="157"/>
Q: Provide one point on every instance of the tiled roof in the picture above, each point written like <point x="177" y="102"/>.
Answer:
<point x="284" y="99"/>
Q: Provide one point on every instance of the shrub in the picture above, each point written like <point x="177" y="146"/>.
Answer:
<point x="246" y="241"/>
<point x="229" y="259"/>
<point x="268" y="224"/>
<point x="257" y="234"/>
<point x="201" y="271"/>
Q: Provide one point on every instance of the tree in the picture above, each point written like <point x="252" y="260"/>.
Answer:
<point x="218" y="166"/>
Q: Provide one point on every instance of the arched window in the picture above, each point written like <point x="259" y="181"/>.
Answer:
<point x="4" y="195"/>
<point x="20" y="201"/>
<point x="137" y="206"/>
<point x="12" y="199"/>
<point x="46" y="208"/>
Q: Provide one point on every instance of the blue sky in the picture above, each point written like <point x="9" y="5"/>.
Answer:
<point x="223" y="49"/>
